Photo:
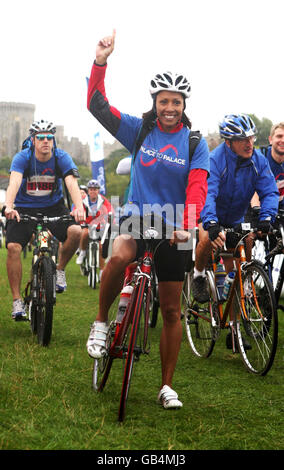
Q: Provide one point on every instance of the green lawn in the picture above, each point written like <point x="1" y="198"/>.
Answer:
<point x="47" y="403"/>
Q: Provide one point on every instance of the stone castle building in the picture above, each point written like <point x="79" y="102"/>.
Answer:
<point x="15" y="120"/>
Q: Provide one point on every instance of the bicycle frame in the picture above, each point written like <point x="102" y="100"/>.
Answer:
<point x="224" y="313"/>
<point x="40" y="290"/>
<point x="144" y="270"/>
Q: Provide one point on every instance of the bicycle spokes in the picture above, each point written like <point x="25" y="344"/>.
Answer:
<point x="256" y="320"/>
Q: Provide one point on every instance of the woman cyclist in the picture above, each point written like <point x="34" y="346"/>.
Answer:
<point x="161" y="174"/>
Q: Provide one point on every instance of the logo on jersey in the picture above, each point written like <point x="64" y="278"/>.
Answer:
<point x="40" y="185"/>
<point x="280" y="185"/>
<point x="167" y="154"/>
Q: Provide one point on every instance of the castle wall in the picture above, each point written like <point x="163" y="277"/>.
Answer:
<point x="15" y="120"/>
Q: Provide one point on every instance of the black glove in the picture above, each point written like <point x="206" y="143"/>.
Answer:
<point x="264" y="226"/>
<point x="214" y="231"/>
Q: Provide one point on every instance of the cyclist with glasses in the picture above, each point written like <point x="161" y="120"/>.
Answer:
<point x="161" y="174"/>
<point x="35" y="186"/>
<point x="237" y="170"/>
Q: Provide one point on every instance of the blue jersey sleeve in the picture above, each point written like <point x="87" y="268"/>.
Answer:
<point x="200" y="159"/>
<point x="20" y="161"/>
<point x="65" y="162"/>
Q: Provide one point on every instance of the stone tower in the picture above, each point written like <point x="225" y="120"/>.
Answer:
<point x="15" y="120"/>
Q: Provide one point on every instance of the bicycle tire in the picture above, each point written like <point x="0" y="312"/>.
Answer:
<point x="31" y="307"/>
<point x="92" y="266"/>
<point x="102" y="366"/>
<point x="135" y="344"/>
<point x="155" y="304"/>
<point x="45" y="299"/>
<point x="199" y="330"/>
<point x="84" y="267"/>
<point x="258" y="325"/>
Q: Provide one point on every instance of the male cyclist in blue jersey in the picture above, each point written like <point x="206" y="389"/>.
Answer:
<point x="35" y="186"/>
<point x="161" y="174"/>
<point x="237" y="170"/>
<point x="275" y="156"/>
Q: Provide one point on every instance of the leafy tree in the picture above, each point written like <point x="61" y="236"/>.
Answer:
<point x="5" y="164"/>
<point x="85" y="173"/>
<point x="115" y="184"/>
<point x="263" y="127"/>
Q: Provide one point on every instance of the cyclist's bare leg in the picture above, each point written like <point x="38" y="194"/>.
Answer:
<point x="123" y="253"/>
<point x="249" y="245"/>
<point x="101" y="259"/>
<point x="84" y="239"/>
<point x="70" y="245"/>
<point x="14" y="268"/>
<point x="171" y="336"/>
<point x="203" y="249"/>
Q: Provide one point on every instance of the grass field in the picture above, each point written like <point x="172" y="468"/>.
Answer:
<point x="47" y="403"/>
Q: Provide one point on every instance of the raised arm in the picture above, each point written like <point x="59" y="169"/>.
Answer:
<point x="104" y="48"/>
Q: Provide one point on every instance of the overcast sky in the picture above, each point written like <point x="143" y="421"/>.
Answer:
<point x="231" y="51"/>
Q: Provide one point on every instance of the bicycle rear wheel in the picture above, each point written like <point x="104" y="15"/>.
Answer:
<point x="256" y="324"/>
<point x="198" y="317"/>
<point x="92" y="262"/>
<point x="135" y="340"/>
<point x="45" y="299"/>
<point x="103" y="365"/>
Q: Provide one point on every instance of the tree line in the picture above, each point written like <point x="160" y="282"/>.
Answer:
<point x="117" y="184"/>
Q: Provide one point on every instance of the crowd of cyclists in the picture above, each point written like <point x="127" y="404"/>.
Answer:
<point x="220" y="186"/>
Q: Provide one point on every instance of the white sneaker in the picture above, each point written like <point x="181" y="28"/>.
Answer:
<point x="81" y="257"/>
<point x="18" y="312"/>
<point x="96" y="344"/>
<point x="168" y="398"/>
<point x="61" y="284"/>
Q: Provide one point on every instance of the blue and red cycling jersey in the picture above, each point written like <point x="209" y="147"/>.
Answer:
<point x="41" y="188"/>
<point x="161" y="175"/>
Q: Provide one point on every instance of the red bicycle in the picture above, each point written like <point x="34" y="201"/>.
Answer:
<point x="129" y="339"/>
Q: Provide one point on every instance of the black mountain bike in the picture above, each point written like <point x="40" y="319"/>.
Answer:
<point x="40" y="290"/>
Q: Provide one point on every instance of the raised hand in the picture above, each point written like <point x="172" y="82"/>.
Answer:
<point x="105" y="48"/>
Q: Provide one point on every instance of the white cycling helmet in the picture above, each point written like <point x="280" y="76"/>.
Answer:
<point x="169" y="81"/>
<point x="93" y="184"/>
<point x="42" y="126"/>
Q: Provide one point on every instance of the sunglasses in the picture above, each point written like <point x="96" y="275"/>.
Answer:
<point x="44" y="136"/>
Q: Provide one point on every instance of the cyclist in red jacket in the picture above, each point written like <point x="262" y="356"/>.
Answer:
<point x="97" y="208"/>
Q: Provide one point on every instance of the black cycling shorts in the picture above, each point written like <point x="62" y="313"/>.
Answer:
<point x="169" y="261"/>
<point x="21" y="232"/>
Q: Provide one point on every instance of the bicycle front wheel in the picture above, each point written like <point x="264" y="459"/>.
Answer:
<point x="256" y="321"/>
<point x="137" y="340"/>
<point x="199" y="318"/>
<point x="103" y="365"/>
<point x="46" y="299"/>
<point x="154" y="304"/>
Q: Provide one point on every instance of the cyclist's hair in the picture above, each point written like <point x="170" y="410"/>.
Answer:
<point x="151" y="116"/>
<point x="276" y="126"/>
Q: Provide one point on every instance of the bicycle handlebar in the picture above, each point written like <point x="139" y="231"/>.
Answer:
<point x="45" y="219"/>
